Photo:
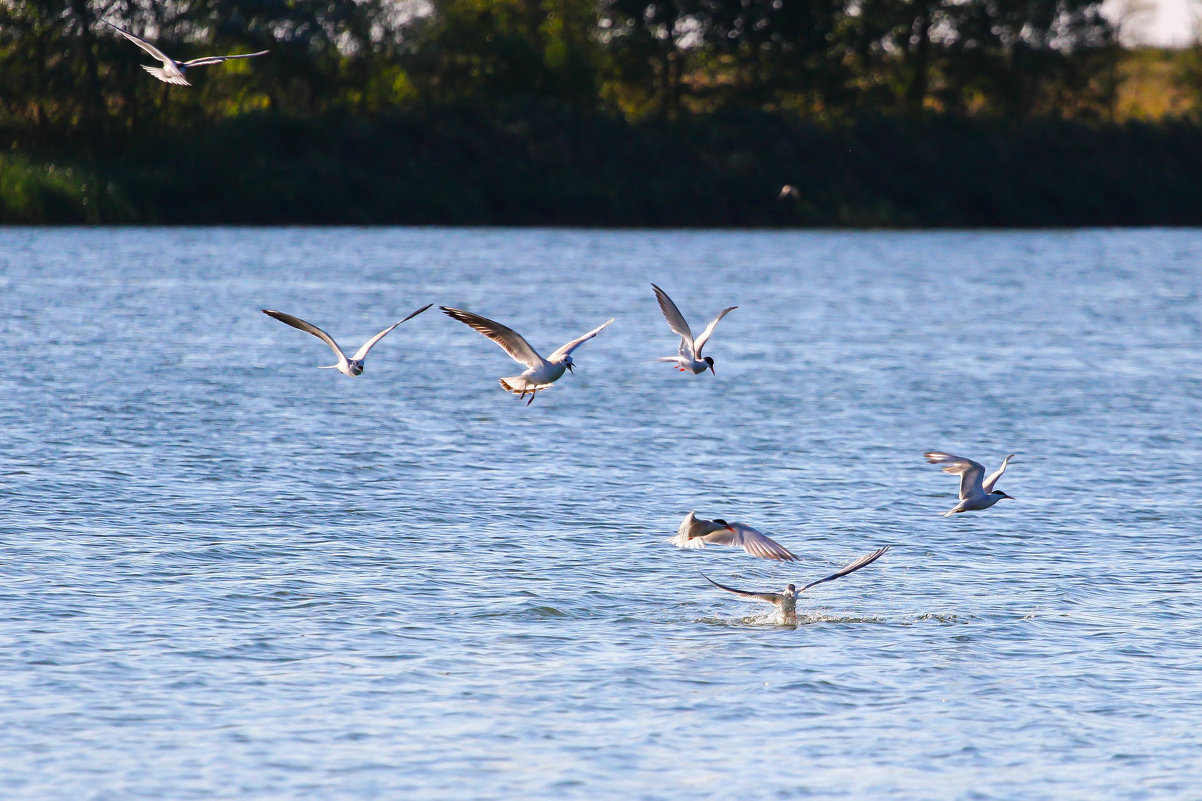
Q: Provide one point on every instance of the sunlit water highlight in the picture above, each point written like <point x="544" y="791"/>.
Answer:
<point x="228" y="574"/>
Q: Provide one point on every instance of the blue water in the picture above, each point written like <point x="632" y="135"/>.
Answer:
<point x="228" y="574"/>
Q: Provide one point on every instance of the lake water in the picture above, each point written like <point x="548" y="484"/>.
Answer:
<point x="228" y="574"/>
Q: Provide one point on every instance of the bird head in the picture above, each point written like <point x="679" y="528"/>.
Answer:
<point x="568" y="364"/>
<point x="1001" y="495"/>
<point x="724" y="524"/>
<point x="355" y="366"/>
<point x="790" y="591"/>
<point x="709" y="360"/>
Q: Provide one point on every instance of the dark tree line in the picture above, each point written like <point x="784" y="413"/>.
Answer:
<point x="62" y="73"/>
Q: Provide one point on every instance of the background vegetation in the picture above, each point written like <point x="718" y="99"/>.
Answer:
<point x="597" y="112"/>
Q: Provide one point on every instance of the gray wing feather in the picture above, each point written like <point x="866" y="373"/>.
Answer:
<point x="675" y="319"/>
<point x="754" y="542"/>
<point x="863" y="561"/>
<point x="510" y="341"/>
<point x="308" y="328"/>
<point x="770" y="597"/>
<point x="142" y="43"/>
<point x="204" y="61"/>
<point x="566" y="350"/>
<point x="362" y="352"/>
<point x="709" y="330"/>
<point x="970" y="472"/>
<point x="994" y="476"/>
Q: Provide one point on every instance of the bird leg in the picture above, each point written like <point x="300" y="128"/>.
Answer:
<point x="533" y="392"/>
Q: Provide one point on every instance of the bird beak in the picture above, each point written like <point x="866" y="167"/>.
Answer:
<point x="730" y="529"/>
<point x="570" y="370"/>
<point x="712" y="369"/>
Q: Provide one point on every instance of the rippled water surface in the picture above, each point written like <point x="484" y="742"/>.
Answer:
<point x="228" y="574"/>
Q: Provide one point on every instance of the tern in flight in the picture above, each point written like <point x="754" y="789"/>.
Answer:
<point x="689" y="359"/>
<point x="788" y="190"/>
<point x="540" y="373"/>
<point x="172" y="71"/>
<point x="694" y="533"/>
<point x="976" y="491"/>
<point x="352" y="366"/>
<point x="786" y="600"/>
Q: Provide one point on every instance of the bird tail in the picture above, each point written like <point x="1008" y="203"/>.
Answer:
<point x="519" y="384"/>
<point x="682" y="541"/>
<point x="165" y="76"/>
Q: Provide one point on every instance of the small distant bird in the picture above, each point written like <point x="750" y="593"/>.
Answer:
<point x="172" y="71"/>
<point x="786" y="601"/>
<point x="689" y="359"/>
<point x="694" y="533"/>
<point x="352" y="366"/>
<point x="788" y="190"/>
<point x="541" y="373"/>
<point x="975" y="493"/>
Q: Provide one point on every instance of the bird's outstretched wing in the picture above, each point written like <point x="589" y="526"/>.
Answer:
<point x="863" y="561"/>
<point x="993" y="477"/>
<point x="142" y="43"/>
<point x="566" y="350"/>
<point x="307" y="327"/>
<point x="970" y="472"/>
<point x="362" y="352"/>
<point x="675" y="319"/>
<point x="770" y="597"/>
<point x="204" y="61"/>
<point x="754" y="542"/>
<point x="699" y="343"/>
<point x="510" y="341"/>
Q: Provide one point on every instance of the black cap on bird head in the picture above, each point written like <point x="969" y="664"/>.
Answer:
<point x="710" y="362"/>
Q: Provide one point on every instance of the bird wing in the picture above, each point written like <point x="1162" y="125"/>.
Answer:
<point x="770" y="597"/>
<point x="992" y="479"/>
<point x="863" y="561"/>
<point x="754" y="542"/>
<point x="204" y="61"/>
<point x="686" y="525"/>
<point x="362" y="352"/>
<point x="297" y="322"/>
<point x="675" y="319"/>
<point x="566" y="350"/>
<point x="709" y="330"/>
<point x="147" y="46"/>
<point x="509" y="340"/>
<point x="970" y="472"/>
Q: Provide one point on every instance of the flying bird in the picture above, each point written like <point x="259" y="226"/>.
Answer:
<point x="976" y="491"/>
<point x="352" y="366"/>
<point x="786" y="600"/>
<point x="172" y="71"/>
<point x="694" y="533"/>
<point x="689" y="359"/>
<point x="788" y="190"/>
<point x="540" y="373"/>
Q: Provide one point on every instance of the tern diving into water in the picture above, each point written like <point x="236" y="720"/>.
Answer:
<point x="786" y="600"/>
<point x="976" y="491"/>
<point x="172" y="71"/>
<point x="689" y="359"/>
<point x="352" y="366"/>
<point x="540" y="373"/>
<point x="694" y="533"/>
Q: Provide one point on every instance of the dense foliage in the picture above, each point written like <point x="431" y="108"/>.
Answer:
<point x="909" y="112"/>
